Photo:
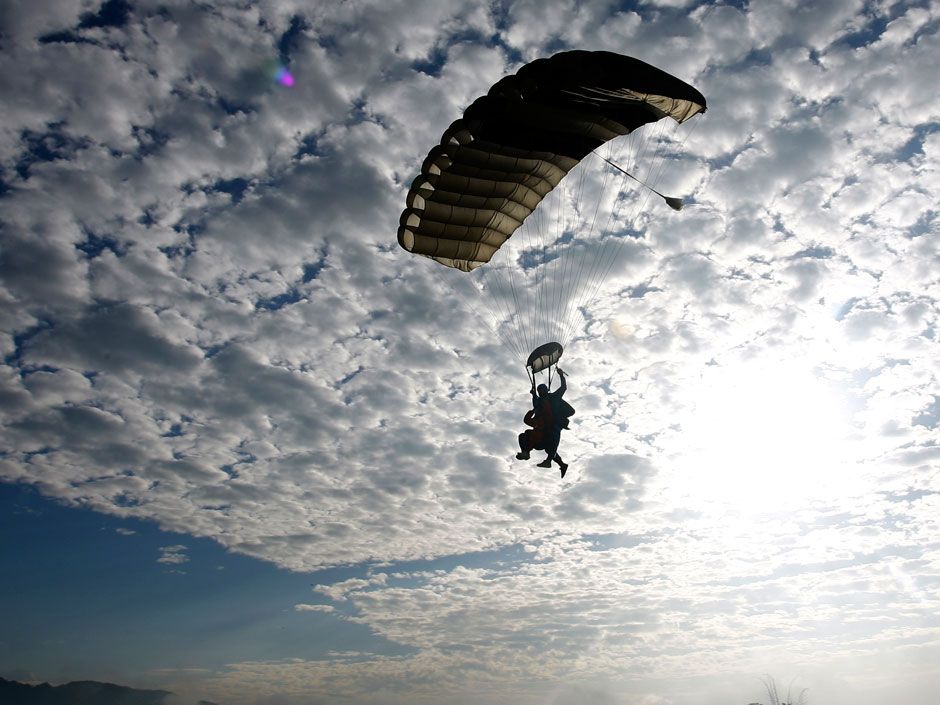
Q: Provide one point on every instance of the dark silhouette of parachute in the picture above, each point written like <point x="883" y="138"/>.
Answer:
<point x="494" y="166"/>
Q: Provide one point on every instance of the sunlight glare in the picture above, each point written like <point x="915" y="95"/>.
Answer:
<point x="763" y="436"/>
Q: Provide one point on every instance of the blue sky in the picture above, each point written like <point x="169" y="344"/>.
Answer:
<point x="82" y="589"/>
<point x="252" y="451"/>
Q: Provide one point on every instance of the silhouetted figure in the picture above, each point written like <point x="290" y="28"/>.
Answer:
<point x="547" y="417"/>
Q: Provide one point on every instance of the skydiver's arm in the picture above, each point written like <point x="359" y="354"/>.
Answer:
<point x="563" y="387"/>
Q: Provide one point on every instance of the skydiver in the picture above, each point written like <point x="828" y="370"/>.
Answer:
<point x="547" y="417"/>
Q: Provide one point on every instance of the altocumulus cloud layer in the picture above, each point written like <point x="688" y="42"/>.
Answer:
<point x="206" y="322"/>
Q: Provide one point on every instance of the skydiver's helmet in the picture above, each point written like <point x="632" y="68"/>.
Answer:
<point x="542" y="390"/>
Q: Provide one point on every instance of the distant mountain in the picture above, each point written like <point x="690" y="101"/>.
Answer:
<point x="78" y="693"/>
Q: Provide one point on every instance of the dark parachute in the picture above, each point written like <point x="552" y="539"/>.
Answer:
<point x="516" y="143"/>
<point x="512" y="147"/>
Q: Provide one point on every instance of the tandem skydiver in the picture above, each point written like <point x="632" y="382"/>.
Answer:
<point x="547" y="417"/>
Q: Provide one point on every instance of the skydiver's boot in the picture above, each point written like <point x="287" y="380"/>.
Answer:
<point x="524" y="446"/>
<point x="562" y="465"/>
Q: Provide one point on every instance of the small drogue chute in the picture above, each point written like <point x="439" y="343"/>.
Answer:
<point x="543" y="359"/>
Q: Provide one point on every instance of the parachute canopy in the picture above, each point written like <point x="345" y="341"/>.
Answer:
<point x="544" y="356"/>
<point x="494" y="166"/>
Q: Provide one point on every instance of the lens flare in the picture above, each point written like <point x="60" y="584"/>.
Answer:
<point x="283" y="76"/>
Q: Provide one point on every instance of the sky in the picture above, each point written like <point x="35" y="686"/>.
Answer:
<point x="254" y="452"/>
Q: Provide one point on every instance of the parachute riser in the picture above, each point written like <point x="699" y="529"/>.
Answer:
<point x="532" y="375"/>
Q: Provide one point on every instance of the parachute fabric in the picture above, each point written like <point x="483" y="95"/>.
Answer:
<point x="515" y="144"/>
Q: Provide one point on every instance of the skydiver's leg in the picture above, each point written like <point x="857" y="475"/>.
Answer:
<point x="551" y="448"/>
<point x="524" y="446"/>
<point x="562" y="465"/>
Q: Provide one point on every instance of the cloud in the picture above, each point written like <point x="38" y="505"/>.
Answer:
<point x="174" y="555"/>
<point x="338" y="591"/>
<point x="625" y="619"/>
<point x="279" y="384"/>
